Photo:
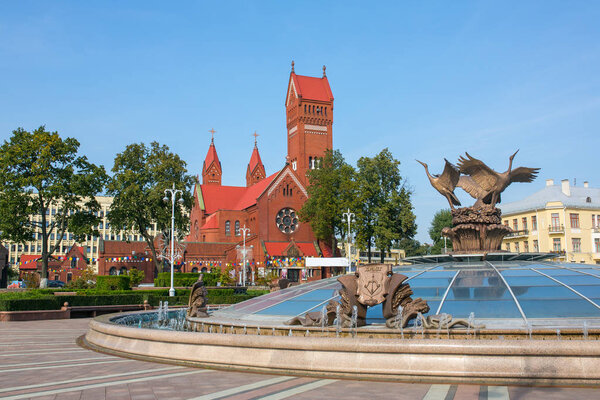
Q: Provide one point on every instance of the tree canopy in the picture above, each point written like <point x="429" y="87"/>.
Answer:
<point x="40" y="170"/>
<point x="383" y="206"/>
<point x="441" y="220"/>
<point x="331" y="192"/>
<point x="141" y="175"/>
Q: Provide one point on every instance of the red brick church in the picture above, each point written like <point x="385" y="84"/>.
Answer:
<point x="268" y="205"/>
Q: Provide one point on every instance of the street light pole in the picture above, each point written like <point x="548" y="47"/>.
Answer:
<point x="445" y="247"/>
<point x="349" y="216"/>
<point x="245" y="231"/>
<point x="173" y="193"/>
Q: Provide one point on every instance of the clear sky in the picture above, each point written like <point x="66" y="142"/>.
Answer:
<point x="426" y="79"/>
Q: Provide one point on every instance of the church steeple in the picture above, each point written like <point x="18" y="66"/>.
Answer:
<point x="211" y="170"/>
<point x="256" y="170"/>
<point x="309" y="111"/>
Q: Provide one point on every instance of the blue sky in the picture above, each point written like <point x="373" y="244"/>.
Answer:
<point x="426" y="79"/>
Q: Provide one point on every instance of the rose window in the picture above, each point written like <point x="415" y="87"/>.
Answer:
<point x="287" y="220"/>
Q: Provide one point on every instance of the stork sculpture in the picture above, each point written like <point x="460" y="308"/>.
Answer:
<point x="485" y="184"/>
<point x="445" y="182"/>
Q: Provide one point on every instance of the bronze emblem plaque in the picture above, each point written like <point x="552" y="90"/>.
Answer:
<point x="373" y="284"/>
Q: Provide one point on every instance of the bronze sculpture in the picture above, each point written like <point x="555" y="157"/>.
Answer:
<point x="372" y="284"/>
<point x="478" y="228"/>
<point x="445" y="182"/>
<point x="197" y="304"/>
<point x="493" y="183"/>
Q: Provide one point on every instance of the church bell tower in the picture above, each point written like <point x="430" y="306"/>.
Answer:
<point x="309" y="116"/>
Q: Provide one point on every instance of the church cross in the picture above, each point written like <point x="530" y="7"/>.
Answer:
<point x="255" y="136"/>
<point x="212" y="133"/>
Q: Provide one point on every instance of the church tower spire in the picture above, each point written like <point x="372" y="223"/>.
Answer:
<point x="256" y="170"/>
<point x="309" y="111"/>
<point x="211" y="170"/>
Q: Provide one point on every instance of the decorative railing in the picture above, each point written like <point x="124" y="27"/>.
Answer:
<point x="556" y="228"/>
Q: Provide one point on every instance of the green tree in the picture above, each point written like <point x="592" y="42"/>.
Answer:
<point x="413" y="247"/>
<point x="136" y="276"/>
<point x="331" y="192"/>
<point x="384" y="209"/>
<point x="141" y="175"/>
<point x="441" y="220"/>
<point x="40" y="171"/>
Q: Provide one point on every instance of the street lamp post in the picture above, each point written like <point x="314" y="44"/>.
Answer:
<point x="350" y="217"/>
<point x="173" y="193"/>
<point x="245" y="231"/>
<point x="445" y="246"/>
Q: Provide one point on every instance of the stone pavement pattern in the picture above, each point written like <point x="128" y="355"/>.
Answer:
<point x="40" y="360"/>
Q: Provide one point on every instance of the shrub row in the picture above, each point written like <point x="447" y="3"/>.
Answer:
<point x="113" y="282"/>
<point x="186" y="279"/>
<point x="50" y="302"/>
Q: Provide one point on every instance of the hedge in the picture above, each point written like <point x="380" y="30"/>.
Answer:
<point x="113" y="282"/>
<point x="186" y="279"/>
<point x="37" y="300"/>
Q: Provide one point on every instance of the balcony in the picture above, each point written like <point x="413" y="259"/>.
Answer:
<point x="553" y="229"/>
<point x="518" y="234"/>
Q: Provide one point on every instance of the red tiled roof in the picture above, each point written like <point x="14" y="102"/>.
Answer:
<point x="277" y="249"/>
<point x="232" y="197"/>
<point x="251" y="193"/>
<point x="211" y="157"/>
<point x="254" y="159"/>
<point x="30" y="261"/>
<point x="310" y="88"/>
<point x="211" y="223"/>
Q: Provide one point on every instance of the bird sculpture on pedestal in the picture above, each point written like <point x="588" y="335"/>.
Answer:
<point x="445" y="182"/>
<point x="485" y="184"/>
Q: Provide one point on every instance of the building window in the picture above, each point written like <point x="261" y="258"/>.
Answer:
<point x="287" y="220"/>
<point x="577" y="245"/>
<point x="517" y="250"/>
<point x="555" y="221"/>
<point x="123" y="271"/>
<point x="74" y="262"/>
<point x="556" y="244"/>
<point x="515" y="224"/>
<point x="69" y="277"/>
<point x="524" y="223"/>
<point x="597" y="245"/>
<point x="204" y="270"/>
<point x="534" y="223"/>
<point x="536" y="246"/>
<point x="505" y="222"/>
<point x="112" y="271"/>
<point x="526" y="247"/>
<point x="227" y="228"/>
<point x="237" y="228"/>
<point x="507" y="246"/>
<point x="574" y="220"/>
<point x="195" y="270"/>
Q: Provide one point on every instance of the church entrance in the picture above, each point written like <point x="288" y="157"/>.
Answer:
<point x="293" y="275"/>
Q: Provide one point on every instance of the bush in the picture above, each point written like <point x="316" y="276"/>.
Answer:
<point x="186" y="279"/>
<point x="136" y="276"/>
<point x="113" y="282"/>
<point x="31" y="280"/>
<point x="87" y="280"/>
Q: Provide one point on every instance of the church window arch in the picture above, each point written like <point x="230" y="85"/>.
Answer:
<point x="123" y="271"/>
<point x="195" y="270"/>
<point x="112" y="271"/>
<point x="237" y="228"/>
<point x="74" y="262"/>
<point x="227" y="228"/>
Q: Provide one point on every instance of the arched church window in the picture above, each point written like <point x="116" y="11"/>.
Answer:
<point x="195" y="270"/>
<point x="588" y="200"/>
<point x="112" y="271"/>
<point x="204" y="270"/>
<point x="237" y="228"/>
<point x="123" y="271"/>
<point x="227" y="228"/>
<point x="310" y="162"/>
<point x="74" y="262"/>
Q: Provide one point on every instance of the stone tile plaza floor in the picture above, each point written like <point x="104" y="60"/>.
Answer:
<point x="41" y="360"/>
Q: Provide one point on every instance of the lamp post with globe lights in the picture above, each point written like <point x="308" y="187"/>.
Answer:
<point x="174" y="192"/>
<point x="244" y="231"/>
<point x="349" y="216"/>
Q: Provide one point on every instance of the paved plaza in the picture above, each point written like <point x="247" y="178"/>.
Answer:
<point x="41" y="360"/>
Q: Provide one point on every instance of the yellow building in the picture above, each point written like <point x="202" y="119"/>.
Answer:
<point x="562" y="219"/>
<point x="91" y="244"/>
